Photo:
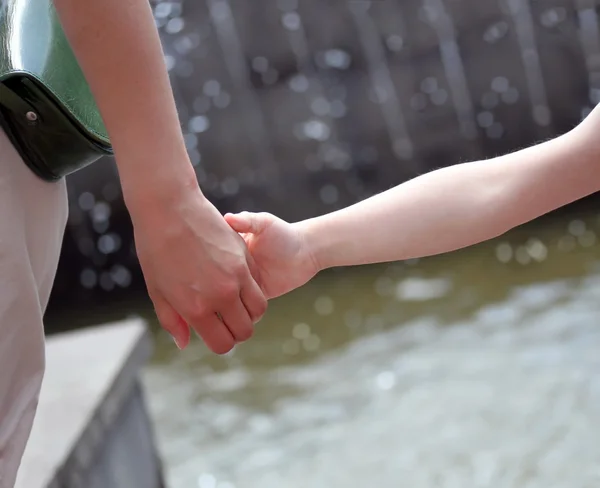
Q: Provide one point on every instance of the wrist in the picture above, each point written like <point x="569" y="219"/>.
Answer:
<point x="316" y="243"/>
<point x="154" y="188"/>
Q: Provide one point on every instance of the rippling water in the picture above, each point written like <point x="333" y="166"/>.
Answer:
<point x="480" y="368"/>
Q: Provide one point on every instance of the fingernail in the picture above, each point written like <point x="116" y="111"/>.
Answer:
<point x="179" y="346"/>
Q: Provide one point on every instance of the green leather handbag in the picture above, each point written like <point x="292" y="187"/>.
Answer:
<point x="46" y="107"/>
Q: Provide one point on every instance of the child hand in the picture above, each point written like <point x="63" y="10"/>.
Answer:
<point x="279" y="250"/>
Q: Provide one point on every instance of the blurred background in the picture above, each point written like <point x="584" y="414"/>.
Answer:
<point x="475" y="368"/>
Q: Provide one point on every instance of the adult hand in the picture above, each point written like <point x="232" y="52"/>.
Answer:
<point x="197" y="269"/>
<point x="195" y="266"/>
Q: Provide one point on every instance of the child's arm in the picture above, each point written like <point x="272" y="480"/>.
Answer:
<point x="194" y="265"/>
<point x="435" y="213"/>
<point x="457" y="206"/>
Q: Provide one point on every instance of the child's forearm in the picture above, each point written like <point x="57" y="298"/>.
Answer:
<point x="457" y="206"/>
<point x="117" y="45"/>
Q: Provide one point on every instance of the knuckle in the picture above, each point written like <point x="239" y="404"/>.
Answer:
<point x="228" y="291"/>
<point x="197" y="315"/>
<point x="240" y="268"/>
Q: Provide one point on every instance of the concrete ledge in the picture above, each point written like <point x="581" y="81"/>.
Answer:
<point x="92" y="429"/>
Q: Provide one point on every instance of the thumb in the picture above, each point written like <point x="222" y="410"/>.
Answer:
<point x="247" y="222"/>
<point x="171" y="321"/>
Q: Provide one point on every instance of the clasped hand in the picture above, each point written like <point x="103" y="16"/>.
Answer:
<point x="198" y="271"/>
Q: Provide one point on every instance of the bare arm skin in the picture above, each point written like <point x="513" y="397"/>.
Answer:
<point x="460" y="205"/>
<point x="194" y="265"/>
<point x="440" y="211"/>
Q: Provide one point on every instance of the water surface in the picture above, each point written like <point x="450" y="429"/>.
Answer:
<point x="475" y="369"/>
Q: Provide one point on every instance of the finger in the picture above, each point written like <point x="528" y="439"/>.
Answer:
<point x="171" y="321"/>
<point x="253" y="299"/>
<point x="214" y="333"/>
<point x="246" y="222"/>
<point x="255" y="274"/>
<point x="237" y="319"/>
